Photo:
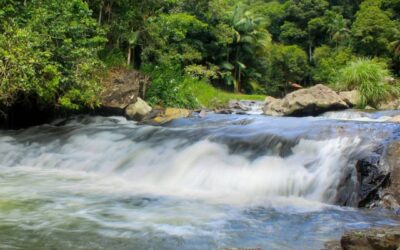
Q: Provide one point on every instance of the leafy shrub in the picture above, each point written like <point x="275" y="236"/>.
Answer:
<point x="328" y="62"/>
<point x="169" y="87"/>
<point x="113" y="58"/>
<point x="369" y="77"/>
<point x="51" y="57"/>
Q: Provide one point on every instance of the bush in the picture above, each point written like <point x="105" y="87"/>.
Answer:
<point x="51" y="57"/>
<point x="369" y="77"/>
<point x="328" y="62"/>
<point x="169" y="87"/>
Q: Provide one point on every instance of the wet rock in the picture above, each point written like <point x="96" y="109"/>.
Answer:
<point x="390" y="105"/>
<point x="369" y="108"/>
<point x="138" y="110"/>
<point x="223" y="111"/>
<point x="352" y="98"/>
<point x="395" y="119"/>
<point x="312" y="101"/>
<point x="270" y="99"/>
<point x="332" y="245"/>
<point x="121" y="89"/>
<point x="238" y="105"/>
<point x="202" y="113"/>
<point x="371" y="178"/>
<point x="385" y="238"/>
<point x="379" y="179"/>
<point x="392" y="192"/>
<point x="170" y="114"/>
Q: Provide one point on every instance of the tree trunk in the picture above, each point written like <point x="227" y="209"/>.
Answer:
<point x="100" y="12"/>
<point x="129" y="57"/>
<point x="239" y="81"/>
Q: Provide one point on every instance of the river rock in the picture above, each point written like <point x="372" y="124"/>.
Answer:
<point x="385" y="238"/>
<point x="122" y="88"/>
<point x="306" y="102"/>
<point x="395" y="119"/>
<point x="392" y="191"/>
<point x="379" y="180"/>
<point x="170" y="114"/>
<point x="238" y="105"/>
<point x="369" y="108"/>
<point x="389" y="105"/>
<point x="352" y="98"/>
<point x="138" y="110"/>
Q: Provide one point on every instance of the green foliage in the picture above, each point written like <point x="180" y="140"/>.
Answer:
<point x="169" y="88"/>
<point x="210" y="97"/>
<point x="25" y="68"/>
<point x="286" y="63"/>
<point x="50" y="55"/>
<point x="49" y="48"/>
<point x="244" y="45"/>
<point x="328" y="62"/>
<point x="370" y="78"/>
<point x="173" y="39"/>
<point x="373" y="30"/>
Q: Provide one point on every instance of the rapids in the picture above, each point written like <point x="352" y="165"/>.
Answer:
<point x="196" y="183"/>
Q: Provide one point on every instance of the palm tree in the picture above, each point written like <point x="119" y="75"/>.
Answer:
<point x="337" y="28"/>
<point x="396" y="48"/>
<point x="250" y="37"/>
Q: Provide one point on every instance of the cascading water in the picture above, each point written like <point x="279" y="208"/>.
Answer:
<point x="199" y="183"/>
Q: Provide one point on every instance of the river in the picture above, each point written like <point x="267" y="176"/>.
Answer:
<point x="195" y="183"/>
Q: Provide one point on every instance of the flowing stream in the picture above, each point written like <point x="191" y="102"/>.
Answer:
<point x="196" y="183"/>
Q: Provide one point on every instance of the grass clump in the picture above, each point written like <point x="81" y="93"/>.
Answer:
<point x="171" y="88"/>
<point x="369" y="77"/>
<point x="210" y="97"/>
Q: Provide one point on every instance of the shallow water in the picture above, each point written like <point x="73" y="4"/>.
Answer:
<point x="220" y="181"/>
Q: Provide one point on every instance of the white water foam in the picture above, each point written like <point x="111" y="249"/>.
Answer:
<point x="204" y="170"/>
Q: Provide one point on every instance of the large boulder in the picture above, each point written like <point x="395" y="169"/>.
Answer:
<point x="395" y="119"/>
<point x="392" y="191"/>
<point x="121" y="88"/>
<point x="138" y="110"/>
<point x="123" y="94"/>
<point x="385" y="238"/>
<point x="390" y="105"/>
<point x="170" y="114"/>
<point x="352" y="98"/>
<point x="378" y="178"/>
<point x="306" y="102"/>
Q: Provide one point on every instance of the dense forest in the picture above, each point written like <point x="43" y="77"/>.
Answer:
<point x="53" y="52"/>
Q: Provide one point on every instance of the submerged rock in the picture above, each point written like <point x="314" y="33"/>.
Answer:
<point x="306" y="102"/>
<point x="385" y="238"/>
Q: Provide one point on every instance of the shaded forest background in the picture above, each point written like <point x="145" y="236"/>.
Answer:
<point x="53" y="52"/>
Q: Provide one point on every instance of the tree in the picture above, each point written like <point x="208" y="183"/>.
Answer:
<point x="337" y="28"/>
<point x="53" y="55"/>
<point x="373" y="30"/>
<point x="287" y="63"/>
<point x="328" y="61"/>
<point x="303" y="25"/>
